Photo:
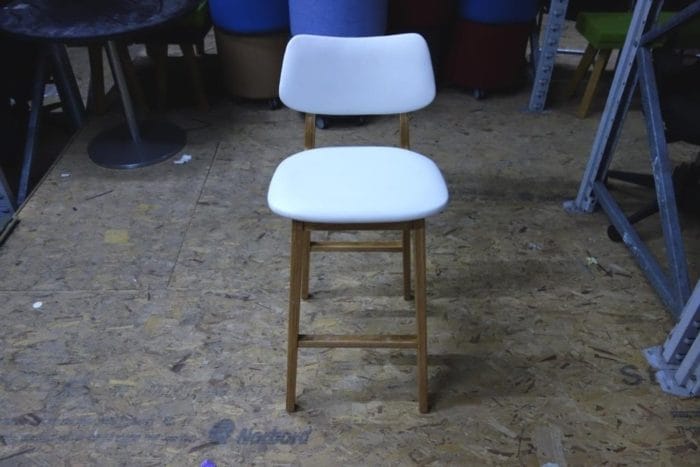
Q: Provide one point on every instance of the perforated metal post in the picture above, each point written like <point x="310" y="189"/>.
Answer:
<point x="546" y="54"/>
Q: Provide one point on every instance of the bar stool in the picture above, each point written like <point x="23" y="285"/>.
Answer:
<point x="605" y="32"/>
<point x="355" y="188"/>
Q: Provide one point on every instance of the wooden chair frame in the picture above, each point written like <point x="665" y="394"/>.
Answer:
<point x="301" y="248"/>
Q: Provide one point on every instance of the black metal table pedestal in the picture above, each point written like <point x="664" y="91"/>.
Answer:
<point x="53" y="23"/>
<point x="114" y="148"/>
<point x="133" y="144"/>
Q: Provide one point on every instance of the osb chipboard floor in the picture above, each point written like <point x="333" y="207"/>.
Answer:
<point x="161" y="335"/>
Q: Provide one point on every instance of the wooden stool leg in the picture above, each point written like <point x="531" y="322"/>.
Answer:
<point x="159" y="54"/>
<point x="96" y="94"/>
<point x="581" y="71"/>
<point x="305" y="264"/>
<point x="591" y="88"/>
<point x="406" y="246"/>
<point x="421" y="319"/>
<point x="295" y="274"/>
<point x="195" y="76"/>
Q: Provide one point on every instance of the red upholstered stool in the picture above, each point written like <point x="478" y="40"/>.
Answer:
<point x="420" y="14"/>
<point x="487" y="56"/>
<point x="432" y="19"/>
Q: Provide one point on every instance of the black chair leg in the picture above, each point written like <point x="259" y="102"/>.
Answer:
<point x="647" y="211"/>
<point x="632" y="177"/>
<point x="686" y="178"/>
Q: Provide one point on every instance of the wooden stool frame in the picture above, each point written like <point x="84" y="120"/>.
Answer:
<point x="159" y="54"/>
<point x="301" y="248"/>
<point x="601" y="57"/>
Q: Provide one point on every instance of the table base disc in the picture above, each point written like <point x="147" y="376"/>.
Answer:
<point x="113" y="148"/>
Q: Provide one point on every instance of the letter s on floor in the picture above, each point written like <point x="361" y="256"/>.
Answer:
<point x="631" y="375"/>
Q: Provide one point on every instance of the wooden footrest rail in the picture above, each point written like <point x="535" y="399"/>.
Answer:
<point x="358" y="341"/>
<point x="357" y="246"/>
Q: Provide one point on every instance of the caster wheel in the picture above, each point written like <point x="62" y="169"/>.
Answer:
<point x="321" y="122"/>
<point x="478" y="94"/>
<point x="613" y="234"/>
<point x="274" y="104"/>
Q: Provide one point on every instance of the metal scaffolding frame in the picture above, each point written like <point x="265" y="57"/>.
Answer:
<point x="678" y="359"/>
<point x="635" y="71"/>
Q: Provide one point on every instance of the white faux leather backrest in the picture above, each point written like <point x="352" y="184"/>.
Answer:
<point x="357" y="75"/>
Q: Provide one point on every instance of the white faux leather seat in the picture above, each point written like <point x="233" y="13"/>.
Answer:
<point x="357" y="187"/>
<point x="357" y="184"/>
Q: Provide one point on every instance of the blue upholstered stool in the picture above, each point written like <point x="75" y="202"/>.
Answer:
<point x="351" y="18"/>
<point x="250" y="16"/>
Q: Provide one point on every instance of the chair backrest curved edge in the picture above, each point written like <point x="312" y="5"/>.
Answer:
<point x="357" y="75"/>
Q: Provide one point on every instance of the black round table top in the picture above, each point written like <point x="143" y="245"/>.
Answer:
<point x="87" y="20"/>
